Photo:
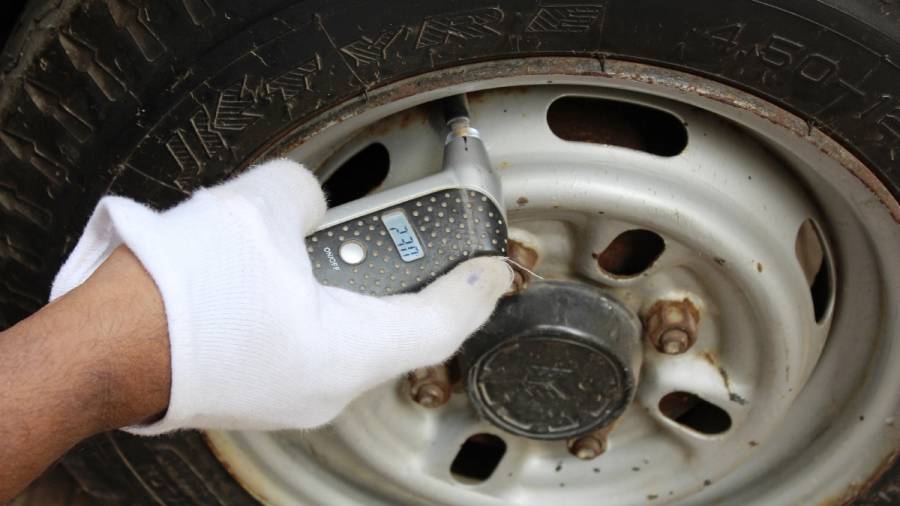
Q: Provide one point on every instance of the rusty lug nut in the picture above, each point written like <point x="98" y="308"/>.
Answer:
<point x="589" y="446"/>
<point x="674" y="341"/>
<point x="671" y="325"/>
<point x="430" y="386"/>
<point x="430" y="396"/>
<point x="524" y="256"/>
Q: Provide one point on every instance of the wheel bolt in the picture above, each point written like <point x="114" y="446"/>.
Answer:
<point x="429" y="387"/>
<point x="430" y="396"/>
<point x="674" y="341"/>
<point x="523" y="256"/>
<point x="671" y="325"/>
<point x="589" y="446"/>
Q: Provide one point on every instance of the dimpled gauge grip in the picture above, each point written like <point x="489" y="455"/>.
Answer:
<point x="451" y="226"/>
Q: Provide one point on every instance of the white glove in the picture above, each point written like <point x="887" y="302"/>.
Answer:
<point x="256" y="343"/>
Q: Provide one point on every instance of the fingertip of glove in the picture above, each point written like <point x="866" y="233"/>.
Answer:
<point x="283" y="173"/>
<point x="280" y="167"/>
<point x="491" y="276"/>
<point x="280" y="184"/>
<point x="300" y="181"/>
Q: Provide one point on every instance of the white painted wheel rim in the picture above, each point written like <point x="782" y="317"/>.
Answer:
<point x="824" y="422"/>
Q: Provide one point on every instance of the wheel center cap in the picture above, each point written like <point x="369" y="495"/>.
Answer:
<point x="556" y="361"/>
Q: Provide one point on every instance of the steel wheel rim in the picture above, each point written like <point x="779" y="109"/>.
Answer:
<point x="256" y="459"/>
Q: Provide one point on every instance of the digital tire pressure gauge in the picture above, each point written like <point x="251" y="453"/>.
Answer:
<point x="401" y="239"/>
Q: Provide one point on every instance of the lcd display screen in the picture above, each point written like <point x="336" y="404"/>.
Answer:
<point x="403" y="235"/>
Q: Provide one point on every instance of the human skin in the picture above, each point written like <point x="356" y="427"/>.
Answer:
<point x="93" y="360"/>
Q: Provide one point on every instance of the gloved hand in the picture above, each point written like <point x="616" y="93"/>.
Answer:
<point x="256" y="343"/>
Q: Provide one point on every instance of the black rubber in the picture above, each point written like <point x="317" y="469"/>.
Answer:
<point x="153" y="99"/>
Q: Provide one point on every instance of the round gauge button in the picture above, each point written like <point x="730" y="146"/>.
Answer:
<point x="352" y="252"/>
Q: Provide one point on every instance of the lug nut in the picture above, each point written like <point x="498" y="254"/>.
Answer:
<point x="589" y="446"/>
<point x="674" y="341"/>
<point x="430" y="396"/>
<point x="671" y="325"/>
<point x="429" y="387"/>
<point x="525" y="257"/>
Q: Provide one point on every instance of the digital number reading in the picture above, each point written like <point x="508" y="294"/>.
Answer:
<point x="403" y="235"/>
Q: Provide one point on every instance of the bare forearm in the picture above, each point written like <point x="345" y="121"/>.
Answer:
<point x="94" y="360"/>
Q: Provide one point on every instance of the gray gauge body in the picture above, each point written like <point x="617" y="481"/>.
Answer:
<point x="400" y="239"/>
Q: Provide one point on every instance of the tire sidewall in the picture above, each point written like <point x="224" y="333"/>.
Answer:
<point x="186" y="96"/>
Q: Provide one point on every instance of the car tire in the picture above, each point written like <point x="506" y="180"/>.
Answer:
<point x="152" y="100"/>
